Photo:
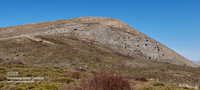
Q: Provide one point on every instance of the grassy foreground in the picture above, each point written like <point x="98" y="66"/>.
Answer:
<point x="62" y="79"/>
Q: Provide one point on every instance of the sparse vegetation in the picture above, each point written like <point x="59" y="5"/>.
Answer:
<point x="15" y="62"/>
<point x="105" y="81"/>
<point x="52" y="87"/>
<point x="142" y="79"/>
<point x="75" y="75"/>
<point x="60" y="64"/>
<point x="36" y="87"/>
<point x="54" y="75"/>
<point x="2" y="85"/>
<point x="163" y="86"/>
<point x="64" y="80"/>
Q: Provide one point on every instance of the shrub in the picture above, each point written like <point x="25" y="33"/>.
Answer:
<point x="22" y="86"/>
<point x="32" y="86"/>
<point x="105" y="81"/>
<point x="186" y="88"/>
<point x="93" y="72"/>
<point x="2" y="69"/>
<point x="52" y="87"/>
<point x="129" y="77"/>
<point x="75" y="75"/>
<point x="65" y="80"/>
<point x="29" y="75"/>
<point x="1" y="85"/>
<point x="17" y="88"/>
<point x="3" y="78"/>
<point x="142" y="79"/>
<point x="147" y="88"/>
<point x="159" y="84"/>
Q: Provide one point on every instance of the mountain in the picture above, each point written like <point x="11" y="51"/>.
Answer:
<point x="78" y="47"/>
<point x="107" y="33"/>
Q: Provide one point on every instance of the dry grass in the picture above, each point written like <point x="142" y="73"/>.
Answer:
<point x="105" y="81"/>
<point x="15" y="62"/>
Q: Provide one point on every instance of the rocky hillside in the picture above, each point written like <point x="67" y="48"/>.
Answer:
<point x="67" y="51"/>
<point x="110" y="34"/>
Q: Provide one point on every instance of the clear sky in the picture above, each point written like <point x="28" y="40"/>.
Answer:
<point x="175" y="23"/>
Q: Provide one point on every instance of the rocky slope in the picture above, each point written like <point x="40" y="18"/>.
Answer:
<point x="84" y="46"/>
<point x="110" y="34"/>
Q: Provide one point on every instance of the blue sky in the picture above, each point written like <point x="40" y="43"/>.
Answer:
<point x="175" y="23"/>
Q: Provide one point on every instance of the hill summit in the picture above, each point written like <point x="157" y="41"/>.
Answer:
<point x="110" y="34"/>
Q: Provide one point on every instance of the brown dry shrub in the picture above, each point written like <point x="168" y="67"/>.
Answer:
<point x="75" y="75"/>
<point x="105" y="81"/>
<point x="142" y="79"/>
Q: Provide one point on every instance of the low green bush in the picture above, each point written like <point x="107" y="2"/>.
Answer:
<point x="159" y="84"/>
<point x="64" y="80"/>
<point x="32" y="86"/>
<point x="52" y="87"/>
<point x="2" y="85"/>
<point x="22" y="86"/>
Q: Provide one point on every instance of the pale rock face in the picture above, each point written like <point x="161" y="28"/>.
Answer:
<point x="109" y="33"/>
